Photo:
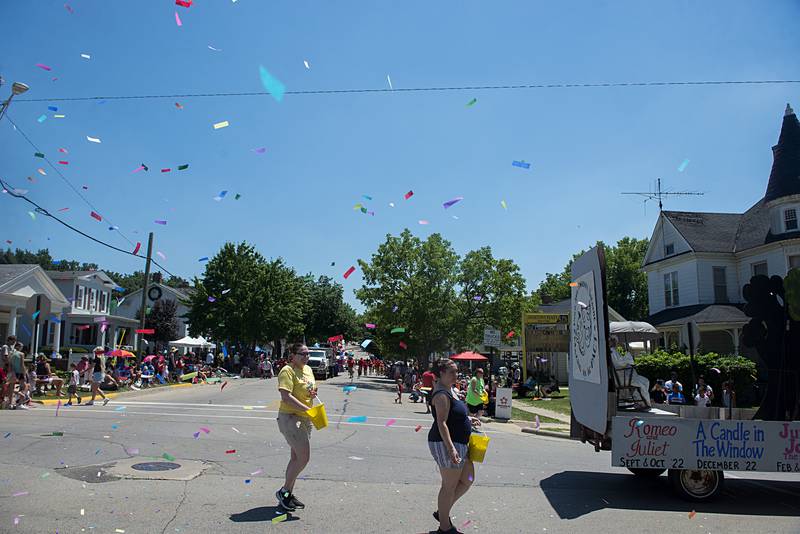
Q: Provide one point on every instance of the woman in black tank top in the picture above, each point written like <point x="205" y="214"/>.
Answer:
<point x="448" y="441"/>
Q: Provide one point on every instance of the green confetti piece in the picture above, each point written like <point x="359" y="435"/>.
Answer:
<point x="57" y="434"/>
<point x="183" y="167"/>
<point x="398" y="330"/>
<point x="168" y="457"/>
<point x="472" y="102"/>
<point x="279" y="519"/>
<point x="237" y="197"/>
<point x="39" y="154"/>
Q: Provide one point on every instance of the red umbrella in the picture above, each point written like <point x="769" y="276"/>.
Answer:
<point x="469" y="357"/>
<point x="119" y="353"/>
<point x="148" y="358"/>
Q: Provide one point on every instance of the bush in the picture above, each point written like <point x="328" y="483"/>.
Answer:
<point x="738" y="368"/>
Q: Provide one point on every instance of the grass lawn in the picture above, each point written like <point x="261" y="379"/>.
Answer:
<point x="558" y="403"/>
<point x="521" y="415"/>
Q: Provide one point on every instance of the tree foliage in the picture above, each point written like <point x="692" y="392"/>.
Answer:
<point x="162" y="317"/>
<point x="441" y="300"/>
<point x="326" y="312"/>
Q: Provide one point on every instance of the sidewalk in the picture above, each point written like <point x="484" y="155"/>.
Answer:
<point x="112" y="395"/>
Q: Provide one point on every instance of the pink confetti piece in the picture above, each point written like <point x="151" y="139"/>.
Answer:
<point x="136" y="250"/>
<point x="20" y="494"/>
<point x="64" y="209"/>
<point x="178" y="19"/>
<point x="417" y="429"/>
<point x="43" y="66"/>
<point x="69" y="9"/>
<point x="161" y="255"/>
<point x="349" y="271"/>
<point x="423" y="222"/>
<point x="205" y="430"/>
<point x="62" y="162"/>
<point x="256" y="472"/>
<point x="63" y="150"/>
<point x="390" y="422"/>
<point x="370" y="326"/>
<point x="409" y="195"/>
<point x="467" y="523"/>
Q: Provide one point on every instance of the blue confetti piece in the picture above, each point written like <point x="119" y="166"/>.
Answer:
<point x="7" y="435"/>
<point x="521" y="164"/>
<point x="683" y="165"/>
<point x="52" y="108"/>
<point x="42" y="118"/>
<point x="247" y="481"/>
<point x="357" y="419"/>
<point x="114" y="427"/>
<point x="35" y="315"/>
<point x="639" y="422"/>
<point x="97" y="452"/>
<point x="27" y="330"/>
<point x="349" y="388"/>
<point x="120" y="409"/>
<point x="55" y="319"/>
<point x="273" y="85"/>
<point x="367" y="197"/>
<point x="204" y="258"/>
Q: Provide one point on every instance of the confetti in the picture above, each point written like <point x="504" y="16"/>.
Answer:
<point x="205" y="430"/>
<point x="96" y="216"/>
<point x="417" y="428"/>
<point x="449" y="203"/>
<point x="183" y="167"/>
<point x="279" y="519"/>
<point x="305" y="62"/>
<point x="43" y="66"/>
<point x="472" y="102"/>
<point x="223" y="124"/>
<point x="82" y="511"/>
<point x="196" y="435"/>
<point x="86" y="56"/>
<point x="136" y="249"/>
<point x="573" y="284"/>
<point x="8" y="435"/>
<point x="403" y="346"/>
<point x="184" y="3"/>
<point x="214" y="49"/>
<point x="38" y="154"/>
<point x="223" y="385"/>
<point x="391" y="204"/>
<point x="42" y="118"/>
<point x="357" y="419"/>
<point x="683" y="165"/>
<point x="349" y="389"/>
<point x="692" y="514"/>
<point x="230" y="451"/>
<point x="20" y="494"/>
<point x="59" y="116"/>
<point x="716" y="370"/>
<point x="247" y="407"/>
<point x="211" y="299"/>
<point x="178" y="19"/>
<point x="503" y="203"/>
<point x="168" y="457"/>
<point x="63" y="162"/>
<point x="354" y="458"/>
<point x="521" y="164"/>
<point x="408" y="195"/>
<point x="220" y="196"/>
<point x="390" y="82"/>
<point x="33" y="215"/>
<point x="161" y="222"/>
<point x="273" y="86"/>
<point x="204" y="258"/>
<point x="178" y="105"/>
<point x="639" y="422"/>
<point x="234" y="429"/>
<point x="390" y="422"/>
<point x="256" y="472"/>
<point x="63" y="150"/>
<point x="370" y="325"/>
<point x="166" y="170"/>
<point x="161" y="255"/>
<point x="247" y="481"/>
<point x="226" y="291"/>
<point x="120" y="530"/>
<point x="423" y="222"/>
<point x="16" y="520"/>
<point x="259" y="150"/>
<point x="93" y="139"/>
<point x="510" y="334"/>
<point x="237" y="197"/>
<point x="398" y="330"/>
<point x="41" y="171"/>
<point x="349" y="271"/>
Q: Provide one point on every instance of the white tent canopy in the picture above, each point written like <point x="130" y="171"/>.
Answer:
<point x="632" y="331"/>
<point x="192" y="342"/>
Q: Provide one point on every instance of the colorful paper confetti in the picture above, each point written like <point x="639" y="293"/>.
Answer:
<point x="96" y="216"/>
<point x="230" y="451"/>
<point x="472" y="102"/>
<point x="357" y="419"/>
<point x="223" y="124"/>
<point x="408" y="195"/>
<point x="683" y="165"/>
<point x="370" y="325"/>
<point x="305" y="62"/>
<point x="93" y="139"/>
<point x="273" y="85"/>
<point x="279" y="518"/>
<point x="417" y="428"/>
<point x="136" y="249"/>
<point x="43" y="66"/>
<point x="349" y="271"/>
<point x="86" y="56"/>
<point x="521" y="164"/>
<point x="503" y="203"/>
<point x="161" y="222"/>
<point x="161" y="255"/>
<point x="390" y="422"/>
<point x="390" y="82"/>
<point x="178" y="19"/>
<point x="168" y="457"/>
<point x="423" y="222"/>
<point x="451" y="202"/>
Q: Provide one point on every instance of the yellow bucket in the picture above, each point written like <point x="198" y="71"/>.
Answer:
<point x="485" y="398"/>
<point x="318" y="416"/>
<point x="478" y="443"/>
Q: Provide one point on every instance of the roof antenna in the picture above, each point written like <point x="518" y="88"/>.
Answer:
<point x="658" y="194"/>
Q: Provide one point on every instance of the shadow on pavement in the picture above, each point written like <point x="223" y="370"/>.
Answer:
<point x="573" y="494"/>
<point x="262" y="513"/>
<point x="370" y="383"/>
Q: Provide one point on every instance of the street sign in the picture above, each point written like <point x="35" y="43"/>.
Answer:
<point x="491" y="337"/>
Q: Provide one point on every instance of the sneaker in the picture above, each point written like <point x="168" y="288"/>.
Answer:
<point x="90" y="403"/>
<point x="79" y="400"/>
<point x="295" y="502"/>
<point x="68" y="403"/>
<point x="105" y="401"/>
<point x="285" y="500"/>
<point x="23" y="407"/>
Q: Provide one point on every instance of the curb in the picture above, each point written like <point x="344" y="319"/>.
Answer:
<point x="562" y="435"/>
<point x="88" y="394"/>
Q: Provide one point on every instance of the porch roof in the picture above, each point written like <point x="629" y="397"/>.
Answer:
<point x="701" y="314"/>
<point x="79" y="318"/>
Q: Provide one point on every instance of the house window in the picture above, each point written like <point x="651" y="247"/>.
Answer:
<point x="671" y="289"/>
<point x="92" y="299"/>
<point x="669" y="249"/>
<point x="51" y="334"/>
<point x="720" y="285"/>
<point x="86" y="298"/>
<point x="759" y="268"/>
<point x="79" y="293"/>
<point x="794" y="262"/>
<point x="103" y="305"/>
<point x="790" y="219"/>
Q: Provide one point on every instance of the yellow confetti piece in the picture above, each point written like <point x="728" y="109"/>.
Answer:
<point x="223" y="124"/>
<point x="503" y="203"/>
<point x="279" y="519"/>
<point x="59" y="116"/>
<point x="247" y="407"/>
<point x="120" y="530"/>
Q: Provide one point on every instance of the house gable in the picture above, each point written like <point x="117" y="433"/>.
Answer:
<point x="665" y="233"/>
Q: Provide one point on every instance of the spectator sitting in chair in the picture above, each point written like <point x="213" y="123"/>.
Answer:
<point x="675" y="396"/>
<point x="45" y="376"/>
<point x="625" y="370"/>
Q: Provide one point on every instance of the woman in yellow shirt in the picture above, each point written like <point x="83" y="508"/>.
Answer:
<point x="298" y="389"/>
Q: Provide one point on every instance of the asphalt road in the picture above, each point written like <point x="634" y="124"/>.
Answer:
<point x="363" y="477"/>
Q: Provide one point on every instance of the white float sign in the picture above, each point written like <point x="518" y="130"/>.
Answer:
<point x="502" y="404"/>
<point x="730" y="445"/>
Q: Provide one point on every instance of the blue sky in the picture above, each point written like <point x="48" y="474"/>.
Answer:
<point x="325" y="151"/>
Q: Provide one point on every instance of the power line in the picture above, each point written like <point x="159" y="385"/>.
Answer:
<point x="64" y="178"/>
<point x="416" y="89"/>
<point x="12" y="191"/>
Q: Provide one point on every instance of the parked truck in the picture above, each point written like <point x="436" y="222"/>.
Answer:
<point x="322" y="362"/>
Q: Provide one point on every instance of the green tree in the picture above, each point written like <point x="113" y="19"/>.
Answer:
<point x="43" y="259"/>
<point x="410" y="283"/>
<point x="491" y="293"/>
<point x="162" y="317"/>
<point x="327" y="314"/>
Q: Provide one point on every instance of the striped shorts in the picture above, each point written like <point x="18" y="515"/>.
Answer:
<point x="442" y="456"/>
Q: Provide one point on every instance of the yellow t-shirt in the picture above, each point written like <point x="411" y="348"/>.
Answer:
<point x="299" y="386"/>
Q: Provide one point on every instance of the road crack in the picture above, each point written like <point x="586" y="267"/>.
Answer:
<point x="177" y="508"/>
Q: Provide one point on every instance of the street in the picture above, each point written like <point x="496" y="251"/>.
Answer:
<point x="363" y="477"/>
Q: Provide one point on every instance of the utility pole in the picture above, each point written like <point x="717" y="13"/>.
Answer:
<point x="143" y="309"/>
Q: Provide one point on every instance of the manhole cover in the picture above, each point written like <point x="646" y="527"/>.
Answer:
<point x="155" y="466"/>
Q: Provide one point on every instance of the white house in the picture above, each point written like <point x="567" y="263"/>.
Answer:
<point x="155" y="292"/>
<point x="697" y="262"/>
<point x="90" y="321"/>
<point x="19" y="284"/>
